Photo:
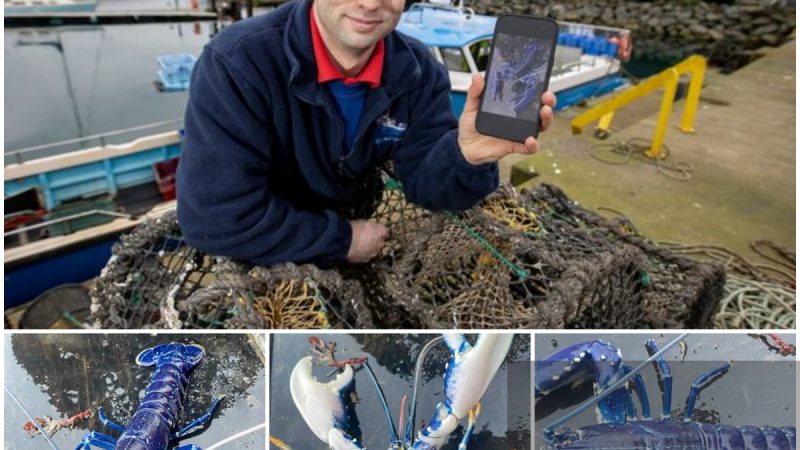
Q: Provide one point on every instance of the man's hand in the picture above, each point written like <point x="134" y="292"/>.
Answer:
<point x="368" y="239"/>
<point x="478" y="148"/>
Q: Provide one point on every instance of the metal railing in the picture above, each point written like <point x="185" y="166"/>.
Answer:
<point x="41" y="151"/>
<point x="66" y="219"/>
<point x="668" y="79"/>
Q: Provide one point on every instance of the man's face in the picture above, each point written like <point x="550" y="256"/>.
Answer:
<point x="357" y="25"/>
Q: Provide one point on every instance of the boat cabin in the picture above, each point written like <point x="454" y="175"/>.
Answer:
<point x="587" y="59"/>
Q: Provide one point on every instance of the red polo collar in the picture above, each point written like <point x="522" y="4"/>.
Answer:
<point x="326" y="71"/>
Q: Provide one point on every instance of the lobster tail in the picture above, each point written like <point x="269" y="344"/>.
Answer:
<point x="190" y="354"/>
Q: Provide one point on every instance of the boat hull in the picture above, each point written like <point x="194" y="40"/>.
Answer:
<point x="78" y="7"/>
<point x="566" y="97"/>
<point x="26" y="282"/>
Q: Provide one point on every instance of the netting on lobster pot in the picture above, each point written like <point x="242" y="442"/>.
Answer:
<point x="155" y="280"/>
<point x="497" y="265"/>
<point x="570" y="277"/>
<point x="530" y="260"/>
<point x="680" y="292"/>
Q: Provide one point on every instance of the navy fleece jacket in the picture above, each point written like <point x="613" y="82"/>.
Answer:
<point x="262" y="166"/>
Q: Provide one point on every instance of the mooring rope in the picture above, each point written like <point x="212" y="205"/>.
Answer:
<point x="736" y="264"/>
<point x="636" y="148"/>
<point x="756" y="304"/>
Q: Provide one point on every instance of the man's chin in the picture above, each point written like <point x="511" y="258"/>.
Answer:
<point x="362" y="42"/>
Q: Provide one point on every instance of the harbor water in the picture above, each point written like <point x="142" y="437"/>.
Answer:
<point x="68" y="82"/>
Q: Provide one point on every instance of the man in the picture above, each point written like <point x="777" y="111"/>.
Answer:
<point x="289" y="111"/>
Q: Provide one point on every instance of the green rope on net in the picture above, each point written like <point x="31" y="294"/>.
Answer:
<point x="521" y="273"/>
<point x="395" y="185"/>
<point x="136" y="298"/>
<point x="322" y="302"/>
<point x="72" y="319"/>
<point x="392" y="184"/>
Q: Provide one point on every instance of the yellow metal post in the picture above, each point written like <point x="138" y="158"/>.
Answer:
<point x="670" y="87"/>
<point x="604" y="112"/>
<point x="618" y="101"/>
<point x="696" y="65"/>
<point x="603" y="128"/>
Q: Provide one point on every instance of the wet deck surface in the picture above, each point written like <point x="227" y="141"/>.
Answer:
<point x="61" y="374"/>
<point x="759" y="388"/>
<point x="743" y="186"/>
<point x="504" y="422"/>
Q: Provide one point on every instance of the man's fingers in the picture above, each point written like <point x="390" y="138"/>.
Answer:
<point x="546" y="115"/>
<point x="549" y="99"/>
<point x="531" y="145"/>
<point x="528" y="147"/>
<point x="474" y="94"/>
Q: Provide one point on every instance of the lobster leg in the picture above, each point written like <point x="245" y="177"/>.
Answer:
<point x="641" y="391"/>
<point x="697" y="384"/>
<point x="200" y="421"/>
<point x="666" y="379"/>
<point x="99" y="440"/>
<point x="469" y="372"/>
<point x="473" y="416"/>
<point x="108" y="422"/>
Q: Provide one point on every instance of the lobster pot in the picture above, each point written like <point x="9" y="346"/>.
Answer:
<point x="155" y="280"/>
<point x="679" y="292"/>
<point x="529" y="260"/>
<point x="501" y="265"/>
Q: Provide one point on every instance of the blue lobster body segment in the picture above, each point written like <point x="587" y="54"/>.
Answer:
<point x="660" y="434"/>
<point x="601" y="362"/>
<point x="151" y="426"/>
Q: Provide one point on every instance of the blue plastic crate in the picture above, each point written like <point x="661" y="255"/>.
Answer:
<point x="176" y="70"/>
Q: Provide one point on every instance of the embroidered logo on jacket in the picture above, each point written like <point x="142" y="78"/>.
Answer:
<point x="389" y="130"/>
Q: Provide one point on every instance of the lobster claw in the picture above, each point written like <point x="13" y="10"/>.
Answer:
<point x="468" y="375"/>
<point x="596" y="361"/>
<point x="322" y="405"/>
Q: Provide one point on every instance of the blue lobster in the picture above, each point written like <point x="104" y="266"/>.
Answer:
<point x="469" y="372"/>
<point x="602" y="363"/>
<point x="525" y="74"/>
<point x="151" y="425"/>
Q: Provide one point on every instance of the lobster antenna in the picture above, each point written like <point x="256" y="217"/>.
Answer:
<point x="382" y="398"/>
<point x="240" y="435"/>
<point x="417" y="371"/>
<point x="548" y="430"/>
<point x="30" y="418"/>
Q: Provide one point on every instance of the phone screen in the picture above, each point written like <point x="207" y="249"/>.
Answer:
<point x="517" y="78"/>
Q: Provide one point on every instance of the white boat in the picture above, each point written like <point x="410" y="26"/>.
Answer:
<point x="48" y="6"/>
<point x="587" y="59"/>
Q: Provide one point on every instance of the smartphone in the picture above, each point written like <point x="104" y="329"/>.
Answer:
<point x="520" y="62"/>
